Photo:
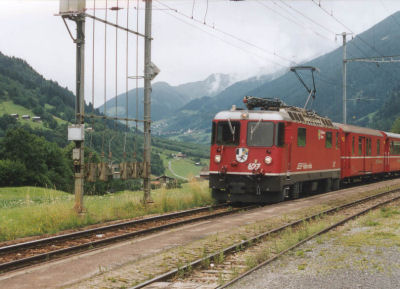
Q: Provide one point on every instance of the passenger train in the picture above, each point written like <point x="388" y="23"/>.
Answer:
<point x="272" y="151"/>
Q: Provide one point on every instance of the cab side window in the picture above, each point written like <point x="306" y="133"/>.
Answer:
<point x="328" y="140"/>
<point x="301" y="136"/>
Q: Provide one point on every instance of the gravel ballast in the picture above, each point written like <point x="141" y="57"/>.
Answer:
<point x="364" y="253"/>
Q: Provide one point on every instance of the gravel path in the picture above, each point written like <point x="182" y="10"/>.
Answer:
<point x="362" y="254"/>
<point x="172" y="171"/>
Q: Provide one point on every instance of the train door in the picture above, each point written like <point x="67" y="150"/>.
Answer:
<point x="387" y="155"/>
<point x="289" y="138"/>
<point x="362" y="153"/>
<point x="345" y="159"/>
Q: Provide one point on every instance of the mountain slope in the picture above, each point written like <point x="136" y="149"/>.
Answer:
<point x="365" y="81"/>
<point x="167" y="99"/>
<point x="22" y="85"/>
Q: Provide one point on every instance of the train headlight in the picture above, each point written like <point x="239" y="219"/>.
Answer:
<point x="217" y="159"/>
<point x="268" y="160"/>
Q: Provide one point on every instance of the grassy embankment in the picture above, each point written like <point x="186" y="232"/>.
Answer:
<point x="182" y="167"/>
<point x="8" y="107"/>
<point x="28" y="211"/>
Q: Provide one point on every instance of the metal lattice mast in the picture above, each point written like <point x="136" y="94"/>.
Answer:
<point x="344" y="35"/>
<point x="148" y="75"/>
<point x="80" y="109"/>
<point x="76" y="12"/>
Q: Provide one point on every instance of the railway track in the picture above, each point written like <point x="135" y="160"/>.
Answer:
<point x="20" y="255"/>
<point x="220" y="269"/>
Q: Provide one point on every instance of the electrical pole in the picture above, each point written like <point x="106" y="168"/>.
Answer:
<point x="344" y="34"/>
<point x="75" y="11"/>
<point x="148" y="75"/>
<point x="80" y="110"/>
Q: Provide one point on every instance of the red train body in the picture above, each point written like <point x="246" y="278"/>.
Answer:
<point x="280" y="152"/>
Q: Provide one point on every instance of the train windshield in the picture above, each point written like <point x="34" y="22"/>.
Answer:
<point x="260" y="133"/>
<point x="227" y="133"/>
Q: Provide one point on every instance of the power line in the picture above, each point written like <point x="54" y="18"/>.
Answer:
<point x="391" y="17"/>
<point x="290" y="19"/>
<point x="345" y="26"/>
<point x="223" y="40"/>
<point x="226" y="33"/>
<point x="307" y="17"/>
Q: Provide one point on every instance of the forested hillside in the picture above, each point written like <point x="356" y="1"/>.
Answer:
<point x="39" y="153"/>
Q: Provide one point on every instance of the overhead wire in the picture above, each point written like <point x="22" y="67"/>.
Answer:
<point x="356" y="37"/>
<point x="194" y="3"/>
<point x="345" y="26"/>
<point x="137" y="82"/>
<point x="307" y="17"/>
<point x="105" y="79"/>
<point x="326" y="80"/>
<point x="260" y="2"/>
<point x="205" y="15"/>
<point x="391" y="17"/>
<point x="226" y="33"/>
<point x="126" y="78"/>
<point x="224" y="40"/>
<point x="116" y="63"/>
<point x="93" y="72"/>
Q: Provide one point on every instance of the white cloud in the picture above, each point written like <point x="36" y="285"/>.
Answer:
<point x="184" y="49"/>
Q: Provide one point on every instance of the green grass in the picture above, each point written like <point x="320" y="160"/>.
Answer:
<point x="185" y="168"/>
<point x="182" y="167"/>
<point x="8" y="107"/>
<point x="29" y="211"/>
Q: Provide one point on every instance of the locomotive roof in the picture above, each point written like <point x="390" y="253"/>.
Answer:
<point x="253" y="114"/>
<point x="393" y="135"/>
<point x="286" y="113"/>
<point x="356" y="129"/>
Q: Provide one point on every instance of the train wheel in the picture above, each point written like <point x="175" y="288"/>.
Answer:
<point x="326" y="185"/>
<point x="219" y="196"/>
<point x="335" y="184"/>
<point x="295" y="191"/>
<point x="276" y="197"/>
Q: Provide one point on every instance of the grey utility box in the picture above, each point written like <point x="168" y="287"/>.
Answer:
<point x="72" y="6"/>
<point x="76" y="132"/>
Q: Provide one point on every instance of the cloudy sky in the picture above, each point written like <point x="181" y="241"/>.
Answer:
<point x="192" y="38"/>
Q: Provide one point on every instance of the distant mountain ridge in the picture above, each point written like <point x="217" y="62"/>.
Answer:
<point x="375" y="84"/>
<point x="166" y="99"/>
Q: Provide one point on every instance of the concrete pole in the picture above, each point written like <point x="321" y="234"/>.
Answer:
<point x="344" y="34"/>
<point x="147" y="104"/>
<point x="79" y="165"/>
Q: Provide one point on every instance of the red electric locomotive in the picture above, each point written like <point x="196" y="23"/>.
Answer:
<point x="279" y="151"/>
<point x="268" y="154"/>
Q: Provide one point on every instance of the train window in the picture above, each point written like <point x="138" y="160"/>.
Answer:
<point x="228" y="133"/>
<point x="368" y="147"/>
<point x="337" y="140"/>
<point x="280" y="134"/>
<point x="328" y="139"/>
<point x="353" y="146"/>
<point x="301" y="136"/>
<point x="213" y="133"/>
<point x="378" y="147"/>
<point x="396" y="147"/>
<point x="260" y="133"/>
<point x="360" y="141"/>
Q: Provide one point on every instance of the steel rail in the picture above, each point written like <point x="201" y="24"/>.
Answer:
<point x="280" y="254"/>
<point x="168" y="216"/>
<point x="253" y="240"/>
<point x="16" y="264"/>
